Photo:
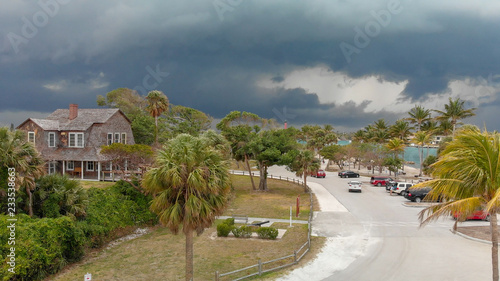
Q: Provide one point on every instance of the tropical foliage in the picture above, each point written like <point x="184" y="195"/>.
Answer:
<point x="190" y="184"/>
<point x="467" y="178"/>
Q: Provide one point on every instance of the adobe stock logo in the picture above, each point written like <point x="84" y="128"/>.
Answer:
<point x="40" y="19"/>
<point x="224" y="6"/>
<point x="151" y="80"/>
<point x="372" y="29"/>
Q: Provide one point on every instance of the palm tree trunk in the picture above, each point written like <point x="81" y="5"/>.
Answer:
<point x="494" y="245"/>
<point x="249" y="171"/>
<point x="189" y="255"/>
<point x="30" y="202"/>
<point x="420" y="151"/>
<point x="156" y="130"/>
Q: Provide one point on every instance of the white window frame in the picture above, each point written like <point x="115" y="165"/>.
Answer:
<point x="124" y="138"/>
<point x="110" y="139"/>
<point x="31" y="137"/>
<point x="52" y="167"/>
<point x="93" y="166"/>
<point x="117" y="138"/>
<point x="70" y="165"/>
<point x="53" y="135"/>
<point x="77" y="137"/>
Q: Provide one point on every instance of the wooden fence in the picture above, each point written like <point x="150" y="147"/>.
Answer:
<point x="279" y="263"/>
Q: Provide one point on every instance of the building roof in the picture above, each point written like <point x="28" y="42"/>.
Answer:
<point x="85" y="118"/>
<point x="59" y="119"/>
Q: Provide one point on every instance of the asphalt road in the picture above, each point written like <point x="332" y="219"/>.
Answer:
<point x="377" y="238"/>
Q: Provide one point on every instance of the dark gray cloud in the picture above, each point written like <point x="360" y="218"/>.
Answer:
<point x="211" y="54"/>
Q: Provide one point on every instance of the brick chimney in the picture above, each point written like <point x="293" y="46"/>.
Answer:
<point x="73" y="111"/>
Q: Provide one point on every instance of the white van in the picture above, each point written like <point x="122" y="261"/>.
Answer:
<point x="400" y="187"/>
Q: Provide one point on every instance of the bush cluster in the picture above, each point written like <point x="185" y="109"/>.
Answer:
<point x="267" y="233"/>
<point x="242" y="231"/>
<point x="45" y="245"/>
<point x="225" y="227"/>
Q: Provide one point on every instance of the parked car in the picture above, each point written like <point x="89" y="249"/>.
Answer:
<point x="417" y="194"/>
<point x="401" y="187"/>
<point x="348" y="174"/>
<point x="477" y="215"/>
<point x="379" y="181"/>
<point x="318" y="174"/>
<point x="354" y="186"/>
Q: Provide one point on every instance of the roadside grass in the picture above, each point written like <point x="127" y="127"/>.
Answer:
<point x="241" y="166"/>
<point x="159" y="255"/>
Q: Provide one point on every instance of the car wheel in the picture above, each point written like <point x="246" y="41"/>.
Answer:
<point x="379" y="184"/>
<point x="357" y="176"/>
<point x="418" y="199"/>
<point x="487" y="218"/>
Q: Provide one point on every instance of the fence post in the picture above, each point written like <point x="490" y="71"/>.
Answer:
<point x="295" y="256"/>
<point x="260" y="267"/>
<point x="217" y="276"/>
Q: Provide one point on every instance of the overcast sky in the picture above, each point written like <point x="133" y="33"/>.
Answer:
<point x="344" y="63"/>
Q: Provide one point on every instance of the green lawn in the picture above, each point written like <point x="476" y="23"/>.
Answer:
<point x="159" y="255"/>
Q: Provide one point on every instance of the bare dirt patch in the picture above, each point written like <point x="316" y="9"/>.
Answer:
<point x="478" y="232"/>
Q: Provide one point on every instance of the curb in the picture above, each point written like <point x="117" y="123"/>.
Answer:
<point x="470" y="237"/>
<point x="415" y="206"/>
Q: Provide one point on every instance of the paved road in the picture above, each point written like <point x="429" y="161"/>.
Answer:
<point x="377" y="238"/>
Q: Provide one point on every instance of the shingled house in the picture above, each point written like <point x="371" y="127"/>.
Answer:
<point x="70" y="139"/>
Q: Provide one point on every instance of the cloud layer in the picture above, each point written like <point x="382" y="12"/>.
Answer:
<point x="345" y="63"/>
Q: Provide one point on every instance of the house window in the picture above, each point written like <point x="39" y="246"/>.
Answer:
<point x="70" y="166"/>
<point x="90" y="165"/>
<point x="75" y="140"/>
<point x="52" y="168"/>
<point x="110" y="138"/>
<point x="117" y="137"/>
<point x="52" y="139"/>
<point x="31" y="137"/>
<point x="124" y="138"/>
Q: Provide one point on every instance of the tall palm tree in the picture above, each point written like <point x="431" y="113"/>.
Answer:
<point x="190" y="184"/>
<point x="421" y="139"/>
<point x="157" y="104"/>
<point x="467" y="177"/>
<point x="16" y="152"/>
<point x="397" y="146"/>
<point x="419" y="115"/>
<point x="455" y="111"/>
<point x="303" y="164"/>
<point x="400" y="129"/>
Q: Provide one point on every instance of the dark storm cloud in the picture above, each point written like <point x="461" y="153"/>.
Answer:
<point x="215" y="53"/>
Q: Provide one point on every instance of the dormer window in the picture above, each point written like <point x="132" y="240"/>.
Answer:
<point x="75" y="140"/>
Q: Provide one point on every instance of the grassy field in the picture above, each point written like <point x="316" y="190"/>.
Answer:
<point x="159" y="255"/>
<point x="98" y="184"/>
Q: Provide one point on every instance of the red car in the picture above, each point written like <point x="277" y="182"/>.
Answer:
<point x="319" y="174"/>
<point x="477" y="215"/>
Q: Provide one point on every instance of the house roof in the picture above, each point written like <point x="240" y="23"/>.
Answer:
<point x="85" y="118"/>
<point x="59" y="119"/>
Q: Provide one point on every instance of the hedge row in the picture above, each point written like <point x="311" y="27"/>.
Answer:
<point x="44" y="246"/>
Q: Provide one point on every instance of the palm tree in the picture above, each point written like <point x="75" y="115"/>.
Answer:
<point x="16" y="152"/>
<point x="190" y="184"/>
<point x="467" y="177"/>
<point x="303" y="164"/>
<point x="419" y="115"/>
<point x="397" y="145"/>
<point x="455" y="111"/>
<point x="400" y="129"/>
<point x="157" y="104"/>
<point x="421" y="139"/>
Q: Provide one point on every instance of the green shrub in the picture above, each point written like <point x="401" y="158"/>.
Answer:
<point x="242" y="231"/>
<point x="229" y="221"/>
<point x="223" y="229"/>
<point x="267" y="233"/>
<point x="42" y="246"/>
